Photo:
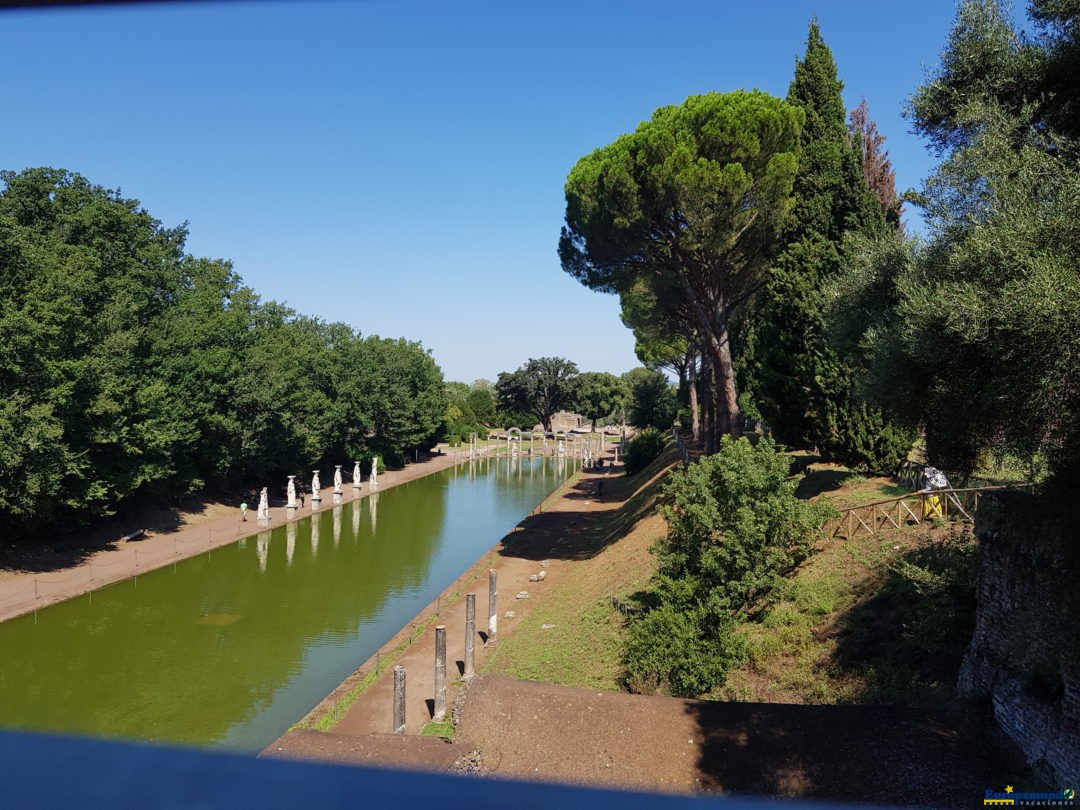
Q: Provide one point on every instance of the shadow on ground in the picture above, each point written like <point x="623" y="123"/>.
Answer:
<point x="63" y="548"/>
<point x="581" y="535"/>
<point x="881" y="754"/>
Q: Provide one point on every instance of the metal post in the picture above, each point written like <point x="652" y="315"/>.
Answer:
<point x="399" y="699"/>
<point x="440" y="674"/>
<point x="470" y="633"/>
<point x="492" y="609"/>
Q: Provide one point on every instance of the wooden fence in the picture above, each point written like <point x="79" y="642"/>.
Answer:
<point x="879" y="517"/>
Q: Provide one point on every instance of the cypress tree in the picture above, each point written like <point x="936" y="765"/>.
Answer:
<point x="801" y="383"/>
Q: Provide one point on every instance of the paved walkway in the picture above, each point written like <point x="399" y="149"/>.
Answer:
<point x="26" y="591"/>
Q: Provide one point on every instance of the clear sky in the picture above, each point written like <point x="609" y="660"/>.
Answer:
<point x="400" y="165"/>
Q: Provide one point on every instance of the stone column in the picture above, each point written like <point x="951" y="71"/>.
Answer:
<point x="470" y="634"/>
<point x="440" y="674"/>
<point x="493" y="610"/>
<point x="399" y="699"/>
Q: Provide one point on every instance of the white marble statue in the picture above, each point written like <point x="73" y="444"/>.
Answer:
<point x="315" y="486"/>
<point x="374" y="471"/>
<point x="264" y="506"/>
<point x="337" y="478"/>
<point x="356" y="475"/>
<point x="291" y="493"/>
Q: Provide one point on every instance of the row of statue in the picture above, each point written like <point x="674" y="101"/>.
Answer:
<point x="316" y="486"/>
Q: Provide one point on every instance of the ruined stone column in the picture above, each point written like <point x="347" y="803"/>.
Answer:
<point x="399" y="699"/>
<point x="493" y="615"/>
<point x="440" y="674"/>
<point x="470" y="633"/>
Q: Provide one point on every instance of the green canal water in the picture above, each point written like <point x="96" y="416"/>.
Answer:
<point x="230" y="648"/>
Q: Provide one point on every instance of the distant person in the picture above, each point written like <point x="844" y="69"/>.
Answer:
<point x="300" y="494"/>
<point x="243" y="512"/>
<point x="600" y="489"/>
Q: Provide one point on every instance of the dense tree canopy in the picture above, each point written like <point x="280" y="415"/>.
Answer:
<point x="133" y="369"/>
<point x="694" y="201"/>
<point x="600" y="394"/>
<point x="974" y="335"/>
<point x="541" y="388"/>
<point x="651" y="398"/>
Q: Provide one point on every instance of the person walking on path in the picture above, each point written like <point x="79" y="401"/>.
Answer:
<point x="243" y="512"/>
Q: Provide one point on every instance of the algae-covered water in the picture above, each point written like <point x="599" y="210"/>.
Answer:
<point x="230" y="648"/>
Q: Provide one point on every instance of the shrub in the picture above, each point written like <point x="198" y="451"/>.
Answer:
<point x="642" y="449"/>
<point x="734" y="525"/>
<point x="678" y="651"/>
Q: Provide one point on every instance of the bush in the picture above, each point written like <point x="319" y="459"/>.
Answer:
<point x="642" y="449"/>
<point x="735" y="526"/>
<point x="679" y="652"/>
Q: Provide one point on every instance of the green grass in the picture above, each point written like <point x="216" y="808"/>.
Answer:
<point x="866" y="620"/>
<point x="443" y="729"/>
<point x="583" y="645"/>
<point x="581" y="648"/>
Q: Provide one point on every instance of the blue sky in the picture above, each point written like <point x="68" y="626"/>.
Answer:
<point x="400" y="165"/>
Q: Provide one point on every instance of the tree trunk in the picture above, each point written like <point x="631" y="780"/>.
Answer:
<point x="692" y="392"/>
<point x="727" y="397"/>
<point x="707" y="409"/>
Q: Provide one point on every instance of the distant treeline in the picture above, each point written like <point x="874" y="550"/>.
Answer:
<point x="131" y="368"/>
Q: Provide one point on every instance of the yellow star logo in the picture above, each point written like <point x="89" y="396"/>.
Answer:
<point x="1008" y="788"/>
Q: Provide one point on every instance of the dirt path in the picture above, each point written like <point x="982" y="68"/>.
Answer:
<point x="59" y="574"/>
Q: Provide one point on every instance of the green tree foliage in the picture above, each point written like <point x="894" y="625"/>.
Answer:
<point x="600" y="394"/>
<point x="982" y="339"/>
<point x="734" y="526"/>
<point x="977" y="333"/>
<point x="692" y="201"/>
<point x="802" y="384"/>
<point x="540" y="388"/>
<point x="651" y="397"/>
<point x="136" y="370"/>
<point x="646" y="445"/>
<point x="470" y="409"/>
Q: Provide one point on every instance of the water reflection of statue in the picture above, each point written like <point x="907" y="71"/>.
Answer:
<point x="337" y="478"/>
<point x="262" y="549"/>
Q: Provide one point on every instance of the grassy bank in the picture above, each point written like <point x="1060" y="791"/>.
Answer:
<point x="868" y="620"/>
<point x="574" y="637"/>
